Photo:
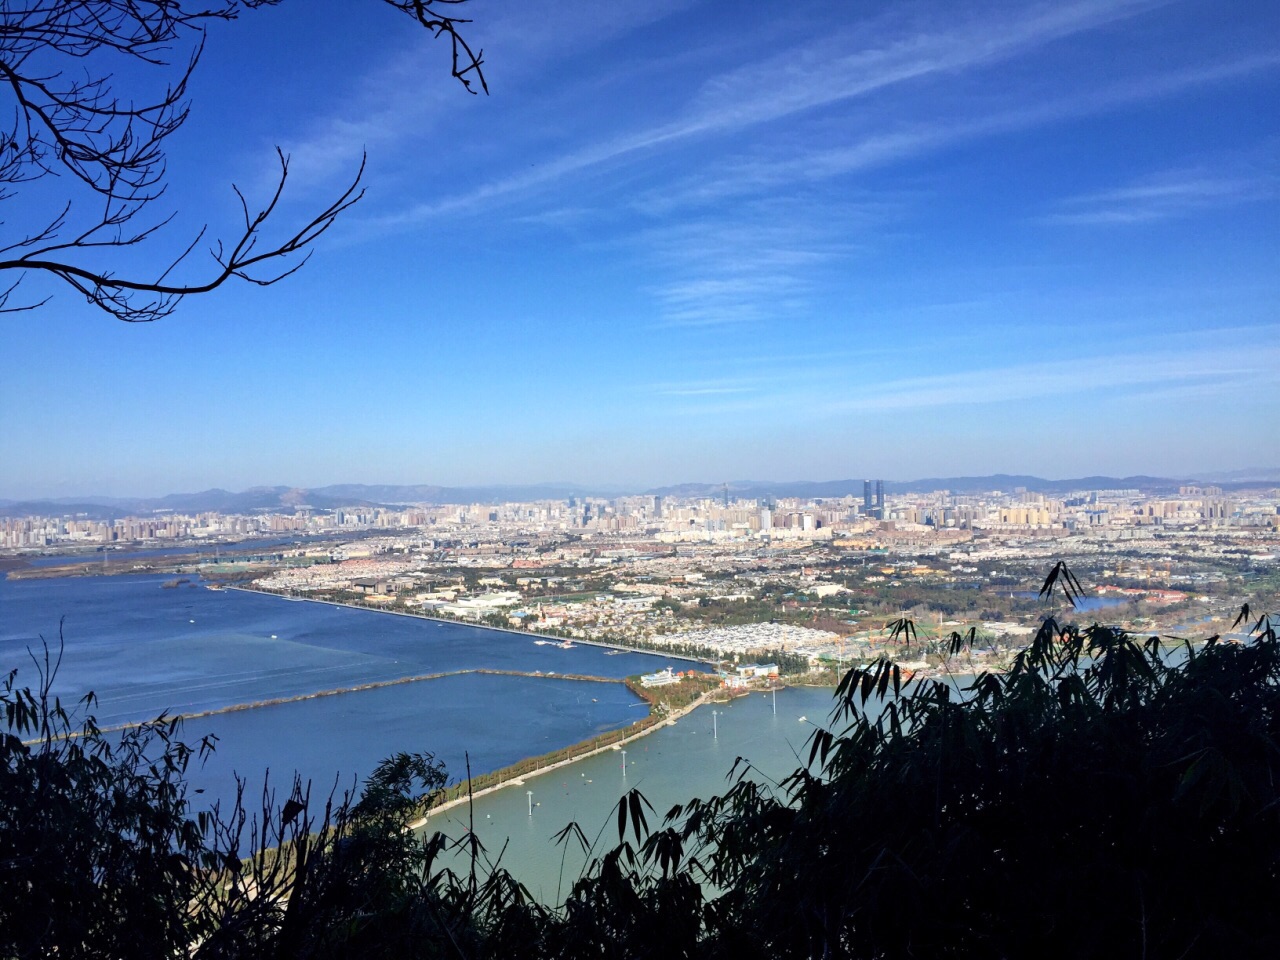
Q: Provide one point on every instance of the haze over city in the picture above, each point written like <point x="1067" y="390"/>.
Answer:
<point x="693" y="241"/>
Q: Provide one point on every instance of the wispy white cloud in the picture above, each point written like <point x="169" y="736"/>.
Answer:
<point x="857" y="62"/>
<point x="724" y="300"/>
<point x="851" y="65"/>
<point x="405" y="97"/>
<point x="830" y="387"/>
<point x="754" y="263"/>
<point x="706" y="388"/>
<point x="1002" y="385"/>
<point x="867" y="148"/>
<point x="753" y="276"/>
<point x="1164" y="196"/>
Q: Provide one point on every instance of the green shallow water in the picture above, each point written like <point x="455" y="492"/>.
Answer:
<point x="670" y="766"/>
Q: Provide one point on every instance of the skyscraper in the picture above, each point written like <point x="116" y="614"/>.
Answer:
<point x="880" y="497"/>
<point x="866" y="496"/>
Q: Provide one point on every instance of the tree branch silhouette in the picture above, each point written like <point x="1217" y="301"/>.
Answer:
<point x="109" y="149"/>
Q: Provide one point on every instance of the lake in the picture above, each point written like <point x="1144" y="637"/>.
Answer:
<point x="144" y="649"/>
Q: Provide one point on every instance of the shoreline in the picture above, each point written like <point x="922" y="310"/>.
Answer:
<point x="573" y="641"/>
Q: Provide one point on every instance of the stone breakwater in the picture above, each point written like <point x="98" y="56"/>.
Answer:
<point x="358" y="688"/>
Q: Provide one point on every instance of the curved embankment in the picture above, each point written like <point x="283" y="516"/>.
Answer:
<point x="517" y="774"/>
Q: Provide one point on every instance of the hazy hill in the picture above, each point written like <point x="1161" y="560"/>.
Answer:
<point x="286" y="499"/>
<point x="64" y="507"/>
<point x="429" y="493"/>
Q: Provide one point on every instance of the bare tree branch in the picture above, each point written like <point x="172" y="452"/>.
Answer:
<point x="112" y="148"/>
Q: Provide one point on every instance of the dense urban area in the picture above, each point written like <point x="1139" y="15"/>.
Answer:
<point x="811" y="584"/>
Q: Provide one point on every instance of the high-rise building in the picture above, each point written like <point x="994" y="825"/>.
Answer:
<point x="866" y="496"/>
<point x="880" y="497"/>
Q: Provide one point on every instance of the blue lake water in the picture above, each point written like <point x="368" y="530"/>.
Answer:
<point x="144" y="649"/>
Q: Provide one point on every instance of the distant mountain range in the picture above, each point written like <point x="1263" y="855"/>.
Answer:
<point x="284" y="499"/>
<point x="427" y="493"/>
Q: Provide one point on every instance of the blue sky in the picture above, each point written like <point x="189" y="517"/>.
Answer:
<point x="704" y="241"/>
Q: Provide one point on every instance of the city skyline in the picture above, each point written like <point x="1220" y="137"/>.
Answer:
<point x="681" y="243"/>
<point x="286" y="499"/>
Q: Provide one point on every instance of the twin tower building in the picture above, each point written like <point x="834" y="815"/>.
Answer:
<point x="872" y="508"/>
